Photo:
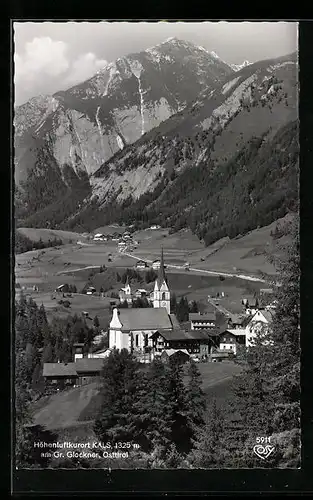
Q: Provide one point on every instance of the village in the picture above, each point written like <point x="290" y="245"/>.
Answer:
<point x="153" y="330"/>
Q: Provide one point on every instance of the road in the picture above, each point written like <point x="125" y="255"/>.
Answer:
<point x="205" y="271"/>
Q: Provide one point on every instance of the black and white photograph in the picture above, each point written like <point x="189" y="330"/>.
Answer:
<point x="156" y="245"/>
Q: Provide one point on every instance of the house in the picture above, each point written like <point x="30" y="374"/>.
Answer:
<point x="260" y="321"/>
<point x="62" y="288"/>
<point x="99" y="237"/>
<point x="140" y="293"/>
<point x="156" y="265"/>
<point x="180" y="356"/>
<point x="155" y="226"/>
<point x="60" y="374"/>
<point x="122" y="246"/>
<point x="78" y="350"/>
<point x="141" y="264"/>
<point x="88" y="369"/>
<point x="193" y="341"/>
<point x="231" y="338"/>
<point x="238" y="321"/>
<point x="250" y="304"/>
<point x="90" y="290"/>
<point x="202" y="321"/>
<point x="125" y="293"/>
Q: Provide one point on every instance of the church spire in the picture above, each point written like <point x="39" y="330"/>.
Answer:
<point x="162" y="277"/>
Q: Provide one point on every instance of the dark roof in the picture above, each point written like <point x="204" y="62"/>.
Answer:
<point x="145" y="318"/>
<point x="183" y="334"/>
<point x="174" y="321"/>
<point x="89" y="365"/>
<point x="59" y="370"/>
<point x="171" y="352"/>
<point x="209" y="316"/>
<point x="237" y="319"/>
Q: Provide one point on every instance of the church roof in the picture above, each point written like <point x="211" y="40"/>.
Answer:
<point x="145" y="318"/>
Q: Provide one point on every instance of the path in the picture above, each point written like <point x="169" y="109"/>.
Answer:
<point x="215" y="273"/>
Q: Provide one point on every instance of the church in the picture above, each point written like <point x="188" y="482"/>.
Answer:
<point x="132" y="328"/>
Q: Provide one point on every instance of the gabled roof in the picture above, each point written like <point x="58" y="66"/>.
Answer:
<point x="182" y="335"/>
<point x="59" y="370"/>
<point x="267" y="313"/>
<point x="170" y="352"/>
<point x="88" y="365"/>
<point x="145" y="318"/>
<point x="236" y="331"/>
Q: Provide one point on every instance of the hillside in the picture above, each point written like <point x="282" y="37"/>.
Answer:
<point x="236" y="141"/>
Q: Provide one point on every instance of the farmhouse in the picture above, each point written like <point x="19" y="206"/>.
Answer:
<point x="90" y="290"/>
<point x="260" y="321"/>
<point x="141" y="264"/>
<point x="60" y="374"/>
<point x="231" y="338"/>
<point x="193" y="341"/>
<point x="156" y="265"/>
<point x="80" y="372"/>
<point x="179" y="355"/>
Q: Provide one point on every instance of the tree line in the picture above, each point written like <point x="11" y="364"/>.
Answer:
<point x="25" y="244"/>
<point x="261" y="180"/>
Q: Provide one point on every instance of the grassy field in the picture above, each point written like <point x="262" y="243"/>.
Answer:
<point x="76" y="407"/>
<point x="72" y="263"/>
<point x="35" y="234"/>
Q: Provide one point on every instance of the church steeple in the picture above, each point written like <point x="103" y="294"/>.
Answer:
<point x="161" y="290"/>
<point x="161" y="276"/>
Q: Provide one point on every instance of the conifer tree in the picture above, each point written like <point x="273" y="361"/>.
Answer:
<point x="181" y="432"/>
<point x="209" y="447"/>
<point x="156" y="409"/>
<point x="117" y="417"/>
<point x="196" y="402"/>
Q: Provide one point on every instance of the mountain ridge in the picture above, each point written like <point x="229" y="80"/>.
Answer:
<point x="249" y="106"/>
<point x="89" y="122"/>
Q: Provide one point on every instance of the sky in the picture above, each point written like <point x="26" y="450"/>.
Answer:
<point x="52" y="56"/>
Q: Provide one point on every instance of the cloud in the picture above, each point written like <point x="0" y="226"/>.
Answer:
<point x="45" y="67"/>
<point x="84" y="67"/>
<point x="43" y="56"/>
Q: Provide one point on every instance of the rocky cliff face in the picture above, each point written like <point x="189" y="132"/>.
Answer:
<point x="84" y="126"/>
<point x="254" y="102"/>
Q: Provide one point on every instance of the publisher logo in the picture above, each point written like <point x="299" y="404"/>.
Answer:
<point x="263" y="451"/>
